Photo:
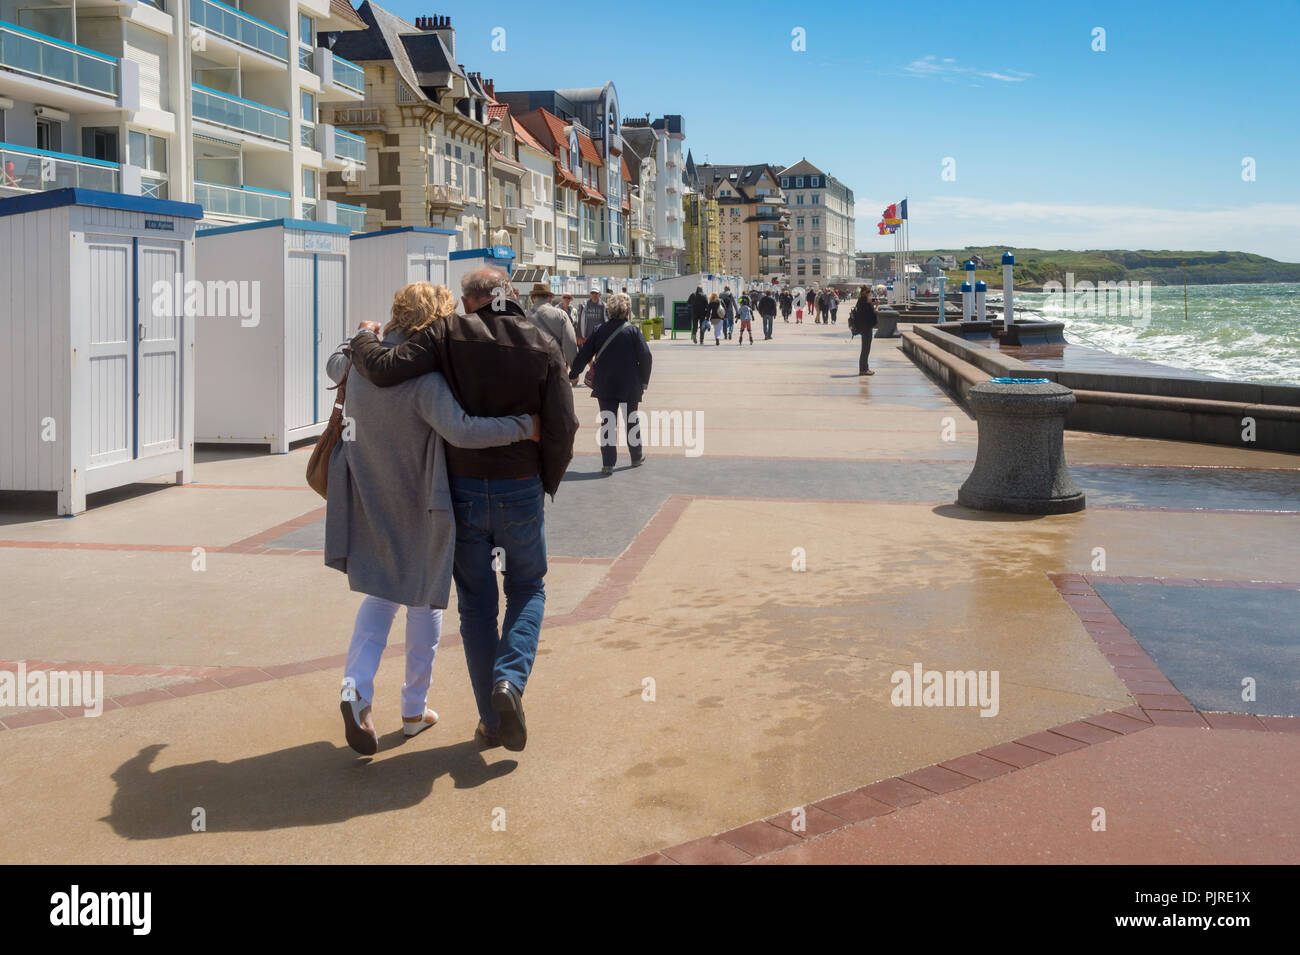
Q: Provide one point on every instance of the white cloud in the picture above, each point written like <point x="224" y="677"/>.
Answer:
<point x="948" y="70"/>
<point x="955" y="221"/>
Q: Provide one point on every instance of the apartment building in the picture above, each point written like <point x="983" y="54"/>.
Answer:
<point x="429" y="140"/>
<point x="822" y="224"/>
<point x="753" y="222"/>
<point x="540" y="249"/>
<point x="703" y="246"/>
<point x="201" y="102"/>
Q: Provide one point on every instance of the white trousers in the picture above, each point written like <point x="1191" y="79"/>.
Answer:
<point x="370" y="636"/>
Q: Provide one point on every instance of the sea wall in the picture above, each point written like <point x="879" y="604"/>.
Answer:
<point x="1148" y="406"/>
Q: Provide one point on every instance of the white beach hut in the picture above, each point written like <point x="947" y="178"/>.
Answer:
<point x="498" y="257"/>
<point x="382" y="262"/>
<point x="274" y="310"/>
<point x="98" y="384"/>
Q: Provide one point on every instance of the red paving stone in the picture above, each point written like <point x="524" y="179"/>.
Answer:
<point x="760" y="838"/>
<point x="937" y="779"/>
<point x="1050" y="743"/>
<point x="815" y="821"/>
<point x="896" y="792"/>
<point x="977" y="766"/>
<point x="1015" y="754"/>
<point x="1233" y="721"/>
<point x="707" y="851"/>
<point x="1118" y="722"/>
<point x="853" y="806"/>
<point x="1177" y="718"/>
<point x="1205" y="814"/>
<point x="1085" y="732"/>
<point x="1281" y="724"/>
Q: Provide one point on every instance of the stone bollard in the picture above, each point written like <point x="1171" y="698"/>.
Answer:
<point x="886" y="323"/>
<point x="1020" y="464"/>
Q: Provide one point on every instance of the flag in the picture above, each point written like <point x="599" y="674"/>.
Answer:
<point x="881" y="226"/>
<point x="893" y="221"/>
<point x="902" y="209"/>
<point x="891" y="212"/>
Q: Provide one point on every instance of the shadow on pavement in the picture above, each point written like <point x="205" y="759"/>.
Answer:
<point x="957" y="512"/>
<point x="308" y="785"/>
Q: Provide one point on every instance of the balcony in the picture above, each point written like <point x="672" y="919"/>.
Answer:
<point x="306" y="58"/>
<point x="516" y="218"/>
<point x="223" y="109"/>
<point x="339" y="78"/>
<point x="307" y="135"/>
<point x="239" y="28"/>
<point x="349" y="148"/>
<point x="369" y="117"/>
<point x="45" y="58"/>
<point x="446" y="199"/>
<point x="39" y="170"/>
<point x="354" y="217"/>
<point x="247" y="202"/>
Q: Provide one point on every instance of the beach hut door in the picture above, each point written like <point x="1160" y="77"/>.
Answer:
<point x="331" y="329"/>
<point x="158" y="361"/>
<point x="300" y="342"/>
<point x="110" y="294"/>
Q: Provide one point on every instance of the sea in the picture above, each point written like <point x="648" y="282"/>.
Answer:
<point x="1239" y="332"/>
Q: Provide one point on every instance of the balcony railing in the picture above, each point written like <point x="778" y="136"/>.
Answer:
<point x="307" y="135"/>
<point x="349" y="74"/>
<point x="52" y="60"/>
<point x="241" y="114"/>
<point x="446" y="195"/>
<point x="350" y="147"/>
<point x="516" y="217"/>
<point x="239" y="27"/>
<point x="358" y="116"/>
<point x="248" y="202"/>
<point x="354" y="217"/>
<point x="309" y="210"/>
<point x="38" y="170"/>
<point x="306" y="58"/>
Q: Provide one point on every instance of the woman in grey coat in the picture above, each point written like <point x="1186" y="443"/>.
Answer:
<point x="389" y="523"/>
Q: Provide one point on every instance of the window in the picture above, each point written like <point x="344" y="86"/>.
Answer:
<point x="798" y="199"/>
<point x="308" y="107"/>
<point x="547" y="235"/>
<point x="2" y="126"/>
<point x="816" y="221"/>
<point x="817" y="241"/>
<point x="816" y="181"/>
<point x="785" y="182"/>
<point x="816" y="198"/>
<point x="798" y="243"/>
<point x="309" y="184"/>
<point x="798" y="182"/>
<point x="799" y="222"/>
<point x="306" y="30"/>
<point x="49" y="135"/>
<point x="100" y="142"/>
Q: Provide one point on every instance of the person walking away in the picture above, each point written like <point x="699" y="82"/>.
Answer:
<point x="497" y="363"/>
<point x="767" y="309"/>
<point x="729" y="303"/>
<point x="864" y="317"/>
<point x="593" y="315"/>
<point x="552" y="320"/>
<point x="787" y="304"/>
<point x="621" y="375"/>
<point x="746" y="315"/>
<point x="835" y="307"/>
<point x="717" y="317"/>
<point x="698" y="303"/>
<point x="388" y="514"/>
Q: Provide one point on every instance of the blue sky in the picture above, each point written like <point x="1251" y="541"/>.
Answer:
<point x="1055" y="145"/>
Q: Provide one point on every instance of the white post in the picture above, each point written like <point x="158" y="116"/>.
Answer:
<point x="942" y="313"/>
<point x="966" y="294"/>
<point x="1008" y="307"/>
<point x="980" y="290"/>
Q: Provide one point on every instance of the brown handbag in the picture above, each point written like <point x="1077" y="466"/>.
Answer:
<point x="318" y="466"/>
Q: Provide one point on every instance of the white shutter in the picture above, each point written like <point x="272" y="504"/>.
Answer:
<point x="149" y="51"/>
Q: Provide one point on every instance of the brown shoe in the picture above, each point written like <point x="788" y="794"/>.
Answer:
<point x="489" y="737"/>
<point x="358" y="728"/>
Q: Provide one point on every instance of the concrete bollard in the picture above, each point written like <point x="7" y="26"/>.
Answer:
<point x="1020" y="463"/>
<point x="981" y="289"/>
<point x="886" y="323"/>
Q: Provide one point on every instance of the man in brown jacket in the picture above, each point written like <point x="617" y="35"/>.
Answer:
<point x="494" y="358"/>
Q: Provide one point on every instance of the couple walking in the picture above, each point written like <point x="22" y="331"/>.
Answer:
<point x="460" y="422"/>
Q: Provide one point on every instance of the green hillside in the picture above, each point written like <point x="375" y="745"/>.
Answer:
<point x="1037" y="266"/>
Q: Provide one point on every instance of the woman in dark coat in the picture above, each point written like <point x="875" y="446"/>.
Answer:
<point x="864" y="318"/>
<point x="619" y="377"/>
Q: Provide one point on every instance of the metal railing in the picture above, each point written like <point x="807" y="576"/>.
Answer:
<point x="307" y="135"/>
<point x="516" y="216"/>
<point x="309" y="210"/>
<point x="151" y="187"/>
<point x="354" y="217"/>
<point x="39" y="170"/>
<point x="239" y="27"/>
<point x="49" y="59"/>
<point x="348" y="74"/>
<point x="358" y="116"/>
<point x="306" y="58"/>
<point x="224" y="109"/>
<point x="248" y="202"/>
<point x="350" y="147"/>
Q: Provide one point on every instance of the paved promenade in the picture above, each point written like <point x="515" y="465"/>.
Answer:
<point x="696" y="697"/>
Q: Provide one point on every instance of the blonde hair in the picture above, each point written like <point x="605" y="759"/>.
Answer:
<point x="419" y="305"/>
<point x="619" y="306"/>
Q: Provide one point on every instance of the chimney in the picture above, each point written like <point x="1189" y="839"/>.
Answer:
<point x="441" y="25"/>
<point x="491" y="87"/>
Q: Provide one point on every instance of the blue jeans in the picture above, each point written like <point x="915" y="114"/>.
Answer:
<point x="767" y="325"/>
<point x="509" y="515"/>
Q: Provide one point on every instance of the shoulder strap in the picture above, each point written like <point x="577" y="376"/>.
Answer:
<point x="608" y="342"/>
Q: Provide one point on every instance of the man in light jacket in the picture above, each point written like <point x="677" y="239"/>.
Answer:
<point x="594" y="314"/>
<point x="553" y="321"/>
